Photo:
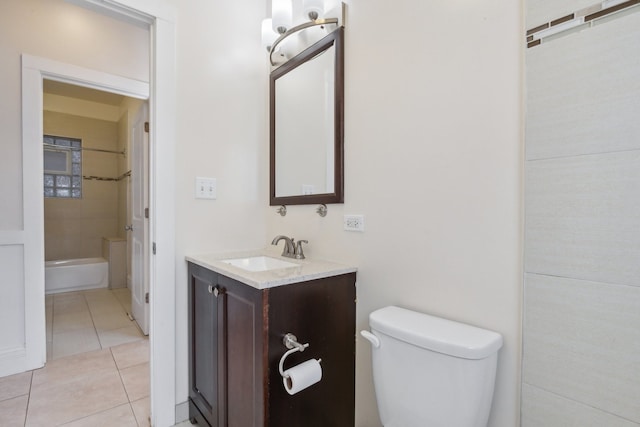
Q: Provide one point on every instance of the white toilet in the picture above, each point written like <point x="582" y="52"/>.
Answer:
<point x="431" y="372"/>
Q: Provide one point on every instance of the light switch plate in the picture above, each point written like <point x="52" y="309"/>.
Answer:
<point x="206" y="188"/>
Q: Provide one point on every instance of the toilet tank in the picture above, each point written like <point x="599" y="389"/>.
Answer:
<point x="430" y="371"/>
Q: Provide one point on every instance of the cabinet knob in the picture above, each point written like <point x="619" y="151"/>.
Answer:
<point x="214" y="290"/>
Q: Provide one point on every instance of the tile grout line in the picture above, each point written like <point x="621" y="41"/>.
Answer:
<point x="93" y="322"/>
<point x="579" y="402"/>
<point x="124" y="387"/>
<point x="26" y="410"/>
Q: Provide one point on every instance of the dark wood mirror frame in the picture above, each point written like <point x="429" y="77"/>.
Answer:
<point x="336" y="39"/>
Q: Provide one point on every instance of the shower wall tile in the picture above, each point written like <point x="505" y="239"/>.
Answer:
<point x="66" y="247"/>
<point x="540" y="11"/>
<point x="100" y="164"/>
<point x="582" y="217"/>
<point x="100" y="209"/>
<point x="62" y="227"/>
<point x="541" y="408"/>
<point x="62" y="208"/>
<point x="571" y="111"/>
<point x="98" y="228"/>
<point x="582" y="341"/>
<point x="74" y="228"/>
<point x="105" y="190"/>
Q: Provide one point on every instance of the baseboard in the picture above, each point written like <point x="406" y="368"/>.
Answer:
<point x="182" y="412"/>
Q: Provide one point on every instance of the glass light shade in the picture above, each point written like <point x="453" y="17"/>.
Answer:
<point x="268" y="35"/>
<point x="281" y="15"/>
<point x="314" y="9"/>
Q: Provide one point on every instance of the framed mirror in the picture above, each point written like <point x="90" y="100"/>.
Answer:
<point x="307" y="125"/>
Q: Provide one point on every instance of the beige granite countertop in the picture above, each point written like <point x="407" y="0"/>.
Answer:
<point x="305" y="269"/>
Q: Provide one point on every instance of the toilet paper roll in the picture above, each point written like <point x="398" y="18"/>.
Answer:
<point x="302" y="376"/>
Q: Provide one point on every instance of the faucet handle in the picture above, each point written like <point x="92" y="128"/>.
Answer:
<point x="298" y="251"/>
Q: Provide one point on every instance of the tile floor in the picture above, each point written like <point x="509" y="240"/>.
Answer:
<point x="83" y="321"/>
<point x="97" y="371"/>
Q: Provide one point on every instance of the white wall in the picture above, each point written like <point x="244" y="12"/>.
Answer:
<point x="222" y="133"/>
<point x="433" y="151"/>
<point x="56" y="30"/>
<point x="432" y="104"/>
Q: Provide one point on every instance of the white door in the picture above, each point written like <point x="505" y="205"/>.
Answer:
<point x="22" y="300"/>
<point x="139" y="221"/>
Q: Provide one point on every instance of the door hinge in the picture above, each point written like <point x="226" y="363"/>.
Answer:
<point x="146" y="213"/>
<point x="146" y="127"/>
<point x="153" y="248"/>
<point x="146" y="297"/>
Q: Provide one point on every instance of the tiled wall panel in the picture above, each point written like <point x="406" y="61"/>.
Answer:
<point x="581" y="326"/>
<point x="540" y="11"/>
<point x="578" y="102"/>
<point x="582" y="217"/>
<point x="75" y="228"/>
<point x="582" y="341"/>
<point x="542" y="408"/>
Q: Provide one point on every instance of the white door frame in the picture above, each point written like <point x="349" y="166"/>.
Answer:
<point x="161" y="90"/>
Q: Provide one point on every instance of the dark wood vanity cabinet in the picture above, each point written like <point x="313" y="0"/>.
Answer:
<point x="235" y="345"/>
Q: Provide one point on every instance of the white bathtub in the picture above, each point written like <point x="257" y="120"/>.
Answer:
<point x="75" y="274"/>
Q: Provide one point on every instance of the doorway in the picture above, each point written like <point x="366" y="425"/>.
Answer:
<point x="94" y="211"/>
<point x="162" y="104"/>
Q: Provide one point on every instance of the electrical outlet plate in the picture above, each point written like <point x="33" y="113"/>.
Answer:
<point x="354" y="223"/>
<point x="206" y="188"/>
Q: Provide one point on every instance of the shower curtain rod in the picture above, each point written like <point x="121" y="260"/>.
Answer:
<point x="62" y="147"/>
<point x="101" y="178"/>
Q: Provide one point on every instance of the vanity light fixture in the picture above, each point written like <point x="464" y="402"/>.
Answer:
<point x="315" y="13"/>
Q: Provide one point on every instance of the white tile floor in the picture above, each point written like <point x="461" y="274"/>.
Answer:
<point x="97" y="371"/>
<point x="83" y="321"/>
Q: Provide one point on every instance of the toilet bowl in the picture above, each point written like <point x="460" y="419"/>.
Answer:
<point x="429" y="371"/>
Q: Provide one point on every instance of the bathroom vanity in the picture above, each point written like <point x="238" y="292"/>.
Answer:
<point x="237" y="321"/>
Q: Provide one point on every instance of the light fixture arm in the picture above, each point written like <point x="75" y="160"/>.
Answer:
<point x="297" y="28"/>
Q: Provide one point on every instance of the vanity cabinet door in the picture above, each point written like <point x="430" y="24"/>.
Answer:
<point x="204" y="337"/>
<point x="242" y="359"/>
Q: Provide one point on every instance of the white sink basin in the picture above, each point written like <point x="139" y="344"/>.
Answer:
<point x="259" y="263"/>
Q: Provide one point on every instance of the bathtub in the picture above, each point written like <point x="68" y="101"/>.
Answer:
<point x="75" y="274"/>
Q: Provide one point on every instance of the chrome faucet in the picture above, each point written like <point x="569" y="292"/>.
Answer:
<point x="292" y="249"/>
<point x="289" y="250"/>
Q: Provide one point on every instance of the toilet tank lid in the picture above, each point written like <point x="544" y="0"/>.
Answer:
<point x="436" y="334"/>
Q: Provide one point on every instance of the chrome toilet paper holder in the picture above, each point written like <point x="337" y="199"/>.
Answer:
<point x="291" y="341"/>
<point x="300" y="376"/>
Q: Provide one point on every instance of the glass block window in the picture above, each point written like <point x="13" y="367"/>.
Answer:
<point x="62" y="167"/>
